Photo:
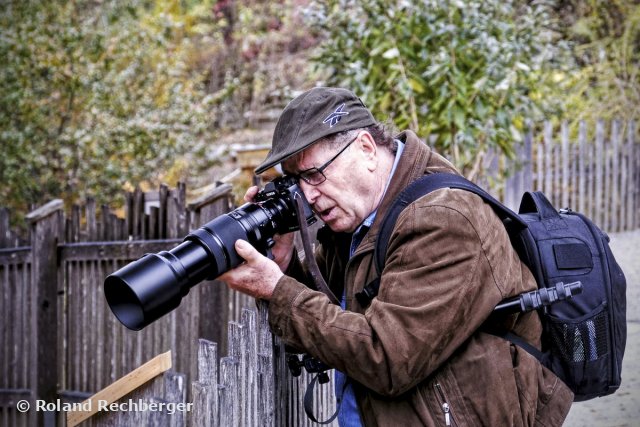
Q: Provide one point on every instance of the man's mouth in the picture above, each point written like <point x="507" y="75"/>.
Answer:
<point x="324" y="214"/>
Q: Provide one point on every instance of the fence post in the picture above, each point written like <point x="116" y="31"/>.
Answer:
<point x="5" y="233"/>
<point x="47" y="228"/>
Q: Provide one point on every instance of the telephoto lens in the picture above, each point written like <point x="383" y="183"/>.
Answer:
<point x="146" y="289"/>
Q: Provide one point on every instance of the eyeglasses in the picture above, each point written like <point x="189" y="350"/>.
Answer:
<point x="315" y="176"/>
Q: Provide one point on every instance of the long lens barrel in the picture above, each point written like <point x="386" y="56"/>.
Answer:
<point x="146" y="289"/>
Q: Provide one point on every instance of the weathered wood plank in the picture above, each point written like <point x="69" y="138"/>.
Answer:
<point x="45" y="211"/>
<point x="128" y="213"/>
<point x="5" y="333"/>
<point x="607" y="187"/>
<point x="122" y="387"/>
<point x="625" y="195"/>
<point x="92" y="224"/>
<point x="590" y="196"/>
<point x="46" y="232"/>
<point x="221" y="192"/>
<point x="172" y="216"/>
<point x="566" y="171"/>
<point x="598" y="216"/>
<point x="205" y="408"/>
<point x="229" y="404"/>
<point x="5" y="230"/>
<point x="527" y="168"/>
<point x="539" y="175"/>
<point x="574" y="182"/>
<point x="633" y="185"/>
<point x="250" y="362"/>
<point x="82" y="324"/>
<point x="100" y="325"/>
<point x="548" y="158"/>
<point x="635" y="167"/>
<point x="556" y="162"/>
<point x="182" y="212"/>
<point x="615" y="208"/>
<point x="138" y="213"/>
<point x="163" y="196"/>
<point x="19" y="255"/>
<point x="10" y="397"/>
<point x="175" y="391"/>
<point x="26" y="320"/>
<point x="582" y="161"/>
<point x="153" y="222"/>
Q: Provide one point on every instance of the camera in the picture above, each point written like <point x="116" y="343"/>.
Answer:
<point x="146" y="289"/>
<point x="295" y="363"/>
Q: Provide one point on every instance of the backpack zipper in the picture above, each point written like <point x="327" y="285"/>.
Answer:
<point x="446" y="409"/>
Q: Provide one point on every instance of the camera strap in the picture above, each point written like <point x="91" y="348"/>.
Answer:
<point x="309" y="257"/>
<point x="308" y="402"/>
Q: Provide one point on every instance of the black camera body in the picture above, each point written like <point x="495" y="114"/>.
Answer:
<point x="150" y="287"/>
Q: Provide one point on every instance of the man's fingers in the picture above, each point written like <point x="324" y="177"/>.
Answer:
<point x="250" y="194"/>
<point x="246" y="251"/>
<point x="257" y="277"/>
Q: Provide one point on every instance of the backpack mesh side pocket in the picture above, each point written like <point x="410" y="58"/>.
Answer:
<point x="580" y="349"/>
<point x="582" y="341"/>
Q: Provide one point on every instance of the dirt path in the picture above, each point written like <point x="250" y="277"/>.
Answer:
<point x="623" y="407"/>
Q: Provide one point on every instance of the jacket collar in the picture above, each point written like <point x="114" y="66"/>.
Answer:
<point x="417" y="159"/>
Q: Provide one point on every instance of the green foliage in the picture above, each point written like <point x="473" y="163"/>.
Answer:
<point x="606" y="82"/>
<point x="97" y="95"/>
<point x="261" y="61"/>
<point x="464" y="75"/>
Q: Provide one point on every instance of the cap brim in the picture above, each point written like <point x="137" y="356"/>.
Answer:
<point x="272" y="161"/>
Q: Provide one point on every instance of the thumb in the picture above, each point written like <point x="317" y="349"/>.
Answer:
<point x="246" y="251"/>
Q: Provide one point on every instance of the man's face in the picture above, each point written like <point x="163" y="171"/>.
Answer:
<point x="346" y="197"/>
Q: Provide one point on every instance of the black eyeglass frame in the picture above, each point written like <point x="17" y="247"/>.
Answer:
<point x="319" y="171"/>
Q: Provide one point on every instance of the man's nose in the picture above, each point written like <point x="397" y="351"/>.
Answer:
<point x="311" y="192"/>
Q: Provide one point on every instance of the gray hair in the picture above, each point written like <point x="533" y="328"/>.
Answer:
<point x="381" y="134"/>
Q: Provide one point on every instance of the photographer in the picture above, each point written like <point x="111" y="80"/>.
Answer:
<point x="416" y="354"/>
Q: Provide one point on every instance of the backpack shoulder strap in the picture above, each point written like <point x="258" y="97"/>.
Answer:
<point x="419" y="188"/>
<point x="425" y="185"/>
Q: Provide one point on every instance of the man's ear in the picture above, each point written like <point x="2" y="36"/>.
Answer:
<point x="369" y="150"/>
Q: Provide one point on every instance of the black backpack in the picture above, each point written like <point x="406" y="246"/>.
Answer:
<point x="584" y="335"/>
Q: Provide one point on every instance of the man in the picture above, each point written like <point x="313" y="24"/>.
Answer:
<point x="416" y="354"/>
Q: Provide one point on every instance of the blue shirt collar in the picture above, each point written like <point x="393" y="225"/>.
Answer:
<point x="368" y="221"/>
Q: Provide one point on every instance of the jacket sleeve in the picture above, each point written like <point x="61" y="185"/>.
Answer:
<point x="438" y="286"/>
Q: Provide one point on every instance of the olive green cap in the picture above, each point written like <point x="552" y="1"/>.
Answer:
<point x="317" y="113"/>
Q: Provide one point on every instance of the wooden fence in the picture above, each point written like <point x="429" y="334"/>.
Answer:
<point x="598" y="176"/>
<point x="250" y="386"/>
<point x="58" y="337"/>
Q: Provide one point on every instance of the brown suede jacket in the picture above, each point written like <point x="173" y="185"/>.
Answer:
<point x="417" y="350"/>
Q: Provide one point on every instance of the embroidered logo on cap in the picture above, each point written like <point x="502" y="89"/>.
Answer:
<point x="336" y="116"/>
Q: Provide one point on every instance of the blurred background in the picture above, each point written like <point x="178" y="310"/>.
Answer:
<point x="100" y="96"/>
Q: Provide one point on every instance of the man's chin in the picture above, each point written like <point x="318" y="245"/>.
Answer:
<point x="338" y="226"/>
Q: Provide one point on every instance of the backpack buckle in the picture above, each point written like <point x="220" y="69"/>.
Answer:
<point x="368" y="293"/>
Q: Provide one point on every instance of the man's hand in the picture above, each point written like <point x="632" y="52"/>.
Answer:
<point x="282" y="251"/>
<point x="257" y="277"/>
